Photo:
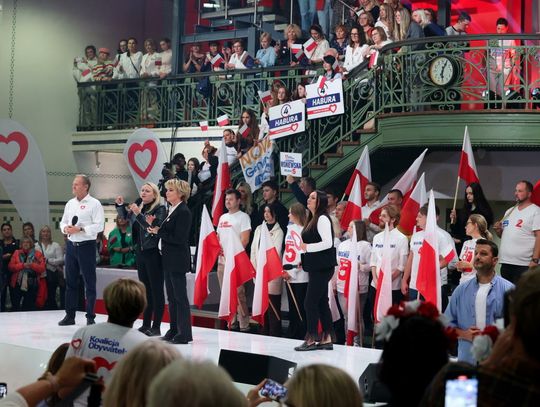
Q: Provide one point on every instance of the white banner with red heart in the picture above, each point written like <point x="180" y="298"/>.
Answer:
<point x="326" y="100"/>
<point x="23" y="174"/>
<point x="288" y="118"/>
<point x="144" y="155"/>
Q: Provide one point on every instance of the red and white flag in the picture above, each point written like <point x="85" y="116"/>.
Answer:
<point x="409" y="210"/>
<point x="204" y="126"/>
<point x="321" y="81"/>
<point x="223" y="182"/>
<point x="405" y="184"/>
<point x="467" y="166"/>
<point x="297" y="50"/>
<point x="265" y="96"/>
<point x="268" y="268"/>
<point x="217" y="61"/>
<point x="428" y="281"/>
<point x="244" y="130"/>
<point x="309" y="46"/>
<point x="223" y="120"/>
<point x="207" y="253"/>
<point x="363" y="169"/>
<point x="353" y="209"/>
<point x="351" y="292"/>
<point x="383" y="296"/>
<point x="238" y="270"/>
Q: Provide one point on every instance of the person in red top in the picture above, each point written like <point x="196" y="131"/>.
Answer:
<point x="26" y="266"/>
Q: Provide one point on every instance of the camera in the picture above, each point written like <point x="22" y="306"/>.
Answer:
<point x="171" y="170"/>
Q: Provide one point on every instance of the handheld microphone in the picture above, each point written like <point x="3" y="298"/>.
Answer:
<point x="290" y="266"/>
<point x="138" y="201"/>
<point x="74" y="220"/>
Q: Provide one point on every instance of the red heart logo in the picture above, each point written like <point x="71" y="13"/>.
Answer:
<point x="149" y="145"/>
<point x="294" y="126"/>
<point x="76" y="343"/>
<point x="333" y="108"/>
<point x="22" y="141"/>
<point x="104" y="363"/>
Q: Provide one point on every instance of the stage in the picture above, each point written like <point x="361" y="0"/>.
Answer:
<point x="27" y="340"/>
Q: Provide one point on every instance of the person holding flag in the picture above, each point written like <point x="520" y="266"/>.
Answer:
<point x="248" y="131"/>
<point x="240" y="59"/>
<point x="272" y="317"/>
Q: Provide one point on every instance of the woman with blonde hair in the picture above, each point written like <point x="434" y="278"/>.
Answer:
<point x="477" y="228"/>
<point x="135" y="371"/>
<point x="247" y="204"/>
<point x="147" y="211"/>
<point x="54" y="260"/>
<point x="284" y="50"/>
<point x="386" y="20"/>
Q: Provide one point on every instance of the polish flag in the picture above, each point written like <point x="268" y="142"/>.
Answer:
<point x="351" y="292"/>
<point x="383" y="296"/>
<point x="297" y="50"/>
<point x="223" y="120"/>
<point x="217" y="61"/>
<point x="265" y="96"/>
<point x="309" y="46"/>
<point x="207" y="253"/>
<point x="321" y="81"/>
<point x="244" y="130"/>
<point x="223" y="182"/>
<point x="363" y="169"/>
<point x="238" y="270"/>
<point x="353" y="210"/>
<point x="410" y="209"/>
<point x="405" y="184"/>
<point x="467" y="166"/>
<point x="535" y="197"/>
<point x="428" y="281"/>
<point x="204" y="126"/>
<point x="269" y="268"/>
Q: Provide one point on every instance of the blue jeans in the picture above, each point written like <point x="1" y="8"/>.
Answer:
<point x="325" y="18"/>
<point x="307" y="12"/>
<point x="80" y="259"/>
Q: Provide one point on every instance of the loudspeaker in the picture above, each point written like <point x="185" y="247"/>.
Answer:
<point x="250" y="368"/>
<point x="371" y="387"/>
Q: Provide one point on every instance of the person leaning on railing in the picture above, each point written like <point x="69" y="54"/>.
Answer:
<point x="129" y="66"/>
<point x="284" y="50"/>
<point x="266" y="56"/>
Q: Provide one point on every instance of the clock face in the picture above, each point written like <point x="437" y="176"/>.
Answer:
<point x="442" y="71"/>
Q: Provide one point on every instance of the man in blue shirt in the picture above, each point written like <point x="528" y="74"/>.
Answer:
<point x="477" y="302"/>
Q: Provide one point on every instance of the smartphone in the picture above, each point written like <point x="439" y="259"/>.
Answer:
<point x="3" y="390"/>
<point x="461" y="389"/>
<point x="273" y="390"/>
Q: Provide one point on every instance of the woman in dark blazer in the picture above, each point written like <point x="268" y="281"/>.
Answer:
<point x="176" y="259"/>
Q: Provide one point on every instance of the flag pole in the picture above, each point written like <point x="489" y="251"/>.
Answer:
<point x="455" y="196"/>
<point x="274" y="309"/>
<point x="294" y="300"/>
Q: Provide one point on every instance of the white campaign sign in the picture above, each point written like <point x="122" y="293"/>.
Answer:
<point x="325" y="101"/>
<point x="145" y="156"/>
<point x="288" y="118"/>
<point x="22" y="173"/>
<point x="290" y="163"/>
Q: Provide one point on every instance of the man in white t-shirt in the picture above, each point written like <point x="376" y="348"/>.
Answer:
<point x="105" y="343"/>
<point x="519" y="231"/>
<point x="237" y="222"/>
<point x="447" y="255"/>
<point x="371" y="195"/>
<point x="400" y="249"/>
<point x="230" y="145"/>
<point x="479" y="301"/>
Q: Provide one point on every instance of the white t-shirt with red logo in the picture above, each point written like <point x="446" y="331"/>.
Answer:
<point x="400" y="249"/>
<point x="236" y="223"/>
<point x="517" y="241"/>
<point x="467" y="254"/>
<point x="363" y="251"/>
<point x="105" y="344"/>
<point x="292" y="252"/>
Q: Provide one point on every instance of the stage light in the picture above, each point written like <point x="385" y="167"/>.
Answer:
<point x="210" y="5"/>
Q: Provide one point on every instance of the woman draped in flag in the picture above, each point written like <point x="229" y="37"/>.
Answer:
<point x="273" y="325"/>
<point x="319" y="260"/>
<point x="295" y="276"/>
<point x="344" y="269"/>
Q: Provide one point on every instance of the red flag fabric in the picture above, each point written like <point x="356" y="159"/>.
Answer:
<point x="321" y="81"/>
<point x="207" y="253"/>
<point x="351" y="292"/>
<point x="265" y="96"/>
<point x="223" y="120"/>
<point x="268" y="268"/>
<point x="467" y="166"/>
<point x="353" y="209"/>
<point x="217" y="61"/>
<point x="363" y="169"/>
<point x="238" y="270"/>
<point x="428" y="281"/>
<point x="309" y="46"/>
<point x="535" y="198"/>
<point x="204" y="126"/>
<point x="244" y="130"/>
<point x="223" y="182"/>
<point x="383" y="296"/>
<point x="409" y="210"/>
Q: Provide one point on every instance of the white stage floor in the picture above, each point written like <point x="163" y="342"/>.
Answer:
<point x="27" y="339"/>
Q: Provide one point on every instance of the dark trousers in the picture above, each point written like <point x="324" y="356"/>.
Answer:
<point x="80" y="260"/>
<point x="28" y="299"/>
<point x="297" y="326"/>
<point x="316" y="303"/>
<point x="179" y="310"/>
<point x="397" y="297"/>
<point x="272" y="324"/>
<point x="512" y="273"/>
<point x="150" y="274"/>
